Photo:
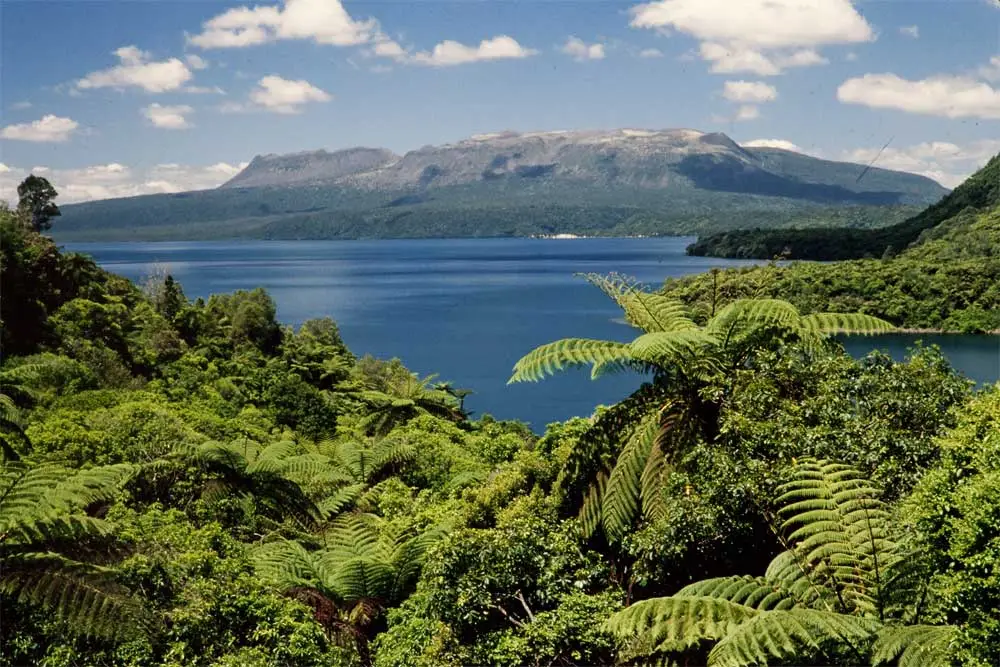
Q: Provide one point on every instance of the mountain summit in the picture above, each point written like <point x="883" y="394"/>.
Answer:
<point x="625" y="181"/>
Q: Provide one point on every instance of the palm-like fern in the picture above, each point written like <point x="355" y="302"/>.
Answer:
<point x="838" y="587"/>
<point x="269" y="474"/>
<point x="44" y="534"/>
<point x="403" y="397"/>
<point x="359" y="571"/>
<point x="643" y="437"/>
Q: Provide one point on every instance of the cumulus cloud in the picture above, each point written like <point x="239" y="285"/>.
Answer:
<point x="759" y="36"/>
<point x="749" y="91"/>
<point x="105" y="181"/>
<point x="947" y="163"/>
<point x="48" y="128"/>
<point x="449" y="53"/>
<point x="580" y="51"/>
<point x="747" y="112"/>
<point x="168" y="117"/>
<point x="651" y="53"/>
<point x="991" y="70"/>
<point x="287" y="96"/>
<point x="321" y="21"/>
<point x="136" y="69"/>
<point x="948" y="96"/>
<point x="783" y="144"/>
<point x="195" y="61"/>
<point x="909" y="31"/>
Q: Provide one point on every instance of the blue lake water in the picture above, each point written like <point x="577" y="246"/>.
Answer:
<point x="466" y="309"/>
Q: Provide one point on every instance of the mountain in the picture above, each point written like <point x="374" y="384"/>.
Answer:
<point x="309" y="167"/>
<point x="515" y="184"/>
<point x="957" y="225"/>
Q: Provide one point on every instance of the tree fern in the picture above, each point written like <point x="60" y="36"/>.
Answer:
<point x="827" y="592"/>
<point x="683" y="361"/>
<point x="914" y="645"/>
<point x="44" y="528"/>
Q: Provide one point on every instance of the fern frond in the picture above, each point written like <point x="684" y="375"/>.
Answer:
<point x="623" y="494"/>
<point x="676" y="623"/>
<point x="648" y="311"/>
<point x="673" y="348"/>
<point x="743" y="315"/>
<point x="914" y="645"/>
<point x="785" y="634"/>
<point x="340" y="500"/>
<point x="552" y="357"/>
<point x="755" y="592"/>
<point x="852" y="323"/>
<point x="589" y="515"/>
<point x="84" y="596"/>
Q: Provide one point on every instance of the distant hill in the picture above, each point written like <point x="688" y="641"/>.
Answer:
<point x="950" y="221"/>
<point x="619" y="182"/>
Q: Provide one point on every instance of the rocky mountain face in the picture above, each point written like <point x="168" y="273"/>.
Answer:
<point x="624" y="158"/>
<point x="309" y="167"/>
<point x="617" y="182"/>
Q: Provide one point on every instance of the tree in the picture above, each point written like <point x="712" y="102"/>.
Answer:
<point x="45" y="535"/>
<point x="353" y="578"/>
<point x="844" y="591"/>
<point x="35" y="198"/>
<point x="644" y="434"/>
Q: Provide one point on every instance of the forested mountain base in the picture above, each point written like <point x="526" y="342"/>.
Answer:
<point x="191" y="483"/>
<point x="979" y="194"/>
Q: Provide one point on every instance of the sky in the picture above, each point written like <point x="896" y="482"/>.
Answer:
<point x="110" y="99"/>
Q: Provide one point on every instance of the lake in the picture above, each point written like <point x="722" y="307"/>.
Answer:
<point x="467" y="309"/>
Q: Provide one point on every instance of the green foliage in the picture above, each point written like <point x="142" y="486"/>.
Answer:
<point x="44" y="532"/>
<point x="841" y="587"/>
<point x="684" y="359"/>
<point x="960" y="296"/>
<point x="35" y="198"/>
<point x="978" y="193"/>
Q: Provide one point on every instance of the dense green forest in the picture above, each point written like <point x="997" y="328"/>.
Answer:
<point x="980" y="193"/>
<point x="946" y="278"/>
<point x="192" y="483"/>
<point x="319" y="212"/>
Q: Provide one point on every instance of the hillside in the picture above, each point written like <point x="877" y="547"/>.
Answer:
<point x="947" y="279"/>
<point x="953" y="214"/>
<point x="616" y="182"/>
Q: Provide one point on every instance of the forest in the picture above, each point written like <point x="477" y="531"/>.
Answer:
<point x="978" y="194"/>
<point x="193" y="483"/>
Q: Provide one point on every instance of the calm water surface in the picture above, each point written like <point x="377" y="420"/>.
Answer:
<point x="465" y="309"/>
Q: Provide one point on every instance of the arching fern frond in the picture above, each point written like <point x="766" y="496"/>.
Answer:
<point x="648" y="311"/>
<point x="676" y="623"/>
<point x="623" y="494"/>
<point x="853" y="323"/>
<point x="789" y="634"/>
<point x="552" y="357"/>
<point x="914" y="645"/>
<point x="754" y="592"/>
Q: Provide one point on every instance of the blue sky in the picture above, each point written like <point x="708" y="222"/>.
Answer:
<point x="121" y="98"/>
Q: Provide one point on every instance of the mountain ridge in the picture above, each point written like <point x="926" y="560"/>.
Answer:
<point x="591" y="182"/>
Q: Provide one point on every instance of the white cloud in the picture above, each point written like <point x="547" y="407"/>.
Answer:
<point x="168" y="117"/>
<point x="651" y="53"/>
<point x="991" y="70"/>
<point x="286" y="95"/>
<point x="851" y="57"/>
<point x="4" y="168"/>
<point x="48" y="128"/>
<point x="322" y="21"/>
<point x="204" y="90"/>
<point x="759" y="36"/>
<point x="749" y="91"/>
<point x="106" y="181"/>
<point x="948" y="96"/>
<point x="580" y="51"/>
<point x="195" y="61"/>
<point x="783" y="144"/>
<point x="910" y="31"/>
<point x="136" y="69"/>
<point x="946" y="162"/>
<point x="449" y="53"/>
<point x="747" y="112"/>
